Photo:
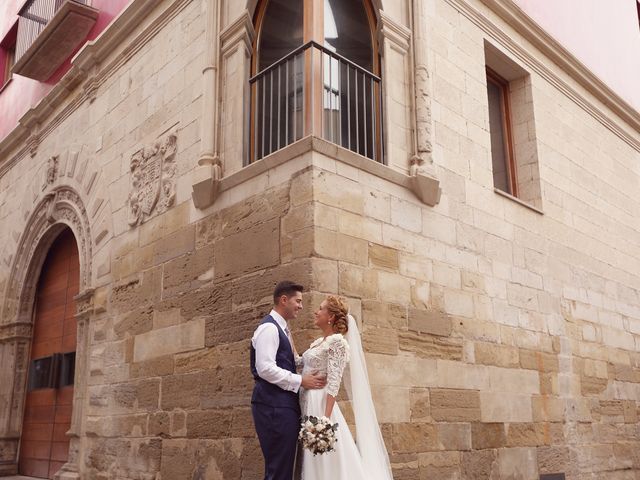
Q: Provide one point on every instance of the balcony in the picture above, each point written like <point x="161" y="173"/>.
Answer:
<point x="315" y="91"/>
<point x="49" y="31"/>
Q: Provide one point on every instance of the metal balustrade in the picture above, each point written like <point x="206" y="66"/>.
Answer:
<point x="34" y="16"/>
<point x="314" y="91"/>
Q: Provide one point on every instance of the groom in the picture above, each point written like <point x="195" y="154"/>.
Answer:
<point x="274" y="404"/>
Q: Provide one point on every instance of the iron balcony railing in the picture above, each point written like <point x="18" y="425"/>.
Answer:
<point x="34" y="16"/>
<point x="314" y="91"/>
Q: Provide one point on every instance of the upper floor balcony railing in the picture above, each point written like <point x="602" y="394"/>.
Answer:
<point x="314" y="91"/>
<point x="48" y="32"/>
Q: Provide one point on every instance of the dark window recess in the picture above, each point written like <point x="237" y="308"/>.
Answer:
<point x="552" y="476"/>
<point x="8" y="54"/>
<point x="41" y="373"/>
<point x="503" y="161"/>
<point x="67" y="369"/>
<point x="55" y="371"/>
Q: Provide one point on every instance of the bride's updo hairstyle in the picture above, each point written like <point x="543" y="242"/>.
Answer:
<point x="338" y="308"/>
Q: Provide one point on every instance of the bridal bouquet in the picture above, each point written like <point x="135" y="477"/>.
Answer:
<point x="318" y="435"/>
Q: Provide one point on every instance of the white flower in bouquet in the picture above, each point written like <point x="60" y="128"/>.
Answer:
<point x="318" y="435"/>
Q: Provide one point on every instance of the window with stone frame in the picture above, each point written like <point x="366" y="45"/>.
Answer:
<point x="514" y="152"/>
<point x="315" y="71"/>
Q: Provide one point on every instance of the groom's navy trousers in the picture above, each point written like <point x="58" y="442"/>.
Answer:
<point x="276" y="414"/>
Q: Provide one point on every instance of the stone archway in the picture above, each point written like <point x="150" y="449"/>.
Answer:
<point x="59" y="209"/>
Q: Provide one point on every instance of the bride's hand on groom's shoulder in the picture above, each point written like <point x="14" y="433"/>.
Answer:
<point x="313" y="381"/>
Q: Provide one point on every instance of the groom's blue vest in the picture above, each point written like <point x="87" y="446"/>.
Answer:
<point x="268" y="393"/>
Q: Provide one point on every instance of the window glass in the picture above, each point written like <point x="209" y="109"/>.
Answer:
<point x="67" y="369"/>
<point x="281" y="31"/>
<point x="498" y="141"/>
<point x="347" y="31"/>
<point x="40" y="373"/>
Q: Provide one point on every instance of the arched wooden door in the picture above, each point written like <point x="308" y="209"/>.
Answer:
<point x="44" y="445"/>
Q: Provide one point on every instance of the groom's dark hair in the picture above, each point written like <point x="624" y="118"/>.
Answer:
<point x="286" y="287"/>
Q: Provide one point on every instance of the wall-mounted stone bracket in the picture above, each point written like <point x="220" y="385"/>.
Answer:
<point x="423" y="182"/>
<point x="426" y="188"/>
<point x="206" y="184"/>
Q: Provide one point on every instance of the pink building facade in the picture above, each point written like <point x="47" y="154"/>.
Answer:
<point x="19" y="94"/>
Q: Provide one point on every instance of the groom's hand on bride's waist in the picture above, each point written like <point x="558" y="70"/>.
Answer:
<point x="312" y="381"/>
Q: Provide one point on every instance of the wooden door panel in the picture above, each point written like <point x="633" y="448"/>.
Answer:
<point x="63" y="415"/>
<point x="47" y="418"/>
<point x="68" y="343"/>
<point x="39" y="414"/>
<point x="52" y="325"/>
<point x="60" y="451"/>
<point x="34" y="468"/>
<point x="52" y="314"/>
<point x="46" y="396"/>
<point x="60" y="432"/>
<point x="55" y="299"/>
<point x="64" y="396"/>
<point x="71" y="286"/>
<point x="54" y="467"/>
<point x="36" y="449"/>
<point x="70" y="327"/>
<point x="44" y="348"/>
<point x="37" y="431"/>
<point x="56" y="288"/>
<point x="56" y="280"/>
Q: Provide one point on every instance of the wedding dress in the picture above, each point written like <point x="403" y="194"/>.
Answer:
<point x="368" y="460"/>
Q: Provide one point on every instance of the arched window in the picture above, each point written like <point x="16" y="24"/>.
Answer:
<point x="315" y="71"/>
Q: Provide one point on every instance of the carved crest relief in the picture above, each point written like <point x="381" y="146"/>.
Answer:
<point x="51" y="172"/>
<point x="152" y="180"/>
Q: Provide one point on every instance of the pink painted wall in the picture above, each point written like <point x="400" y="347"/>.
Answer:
<point x="603" y="34"/>
<point x="23" y="93"/>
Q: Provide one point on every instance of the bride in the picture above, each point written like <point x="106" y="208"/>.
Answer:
<point x="338" y="347"/>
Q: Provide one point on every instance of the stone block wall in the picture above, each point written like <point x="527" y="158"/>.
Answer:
<point x="476" y="345"/>
<point x="169" y="373"/>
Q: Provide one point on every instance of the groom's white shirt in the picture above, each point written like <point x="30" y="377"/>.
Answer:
<point x="266" y="341"/>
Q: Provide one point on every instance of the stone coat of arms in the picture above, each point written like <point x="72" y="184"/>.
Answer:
<point x="152" y="180"/>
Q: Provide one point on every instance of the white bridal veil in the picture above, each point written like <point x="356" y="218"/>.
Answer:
<point x="368" y="436"/>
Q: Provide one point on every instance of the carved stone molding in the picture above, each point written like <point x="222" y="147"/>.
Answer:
<point x="238" y="32"/>
<point x="206" y="181"/>
<point x="51" y="173"/>
<point x="396" y="33"/>
<point x="153" y="187"/>
<point x="84" y="304"/>
<point x="59" y="208"/>
<point x="421" y="83"/>
<point x="90" y="88"/>
<point x="33" y="142"/>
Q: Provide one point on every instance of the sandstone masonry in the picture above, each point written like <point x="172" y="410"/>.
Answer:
<point x="502" y="336"/>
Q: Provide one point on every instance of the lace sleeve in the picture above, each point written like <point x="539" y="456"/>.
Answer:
<point x="299" y="359"/>
<point x="337" y="358"/>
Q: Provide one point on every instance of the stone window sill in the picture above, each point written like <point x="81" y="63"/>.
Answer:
<point x="311" y="143"/>
<point x="518" y="201"/>
<point x="206" y="187"/>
